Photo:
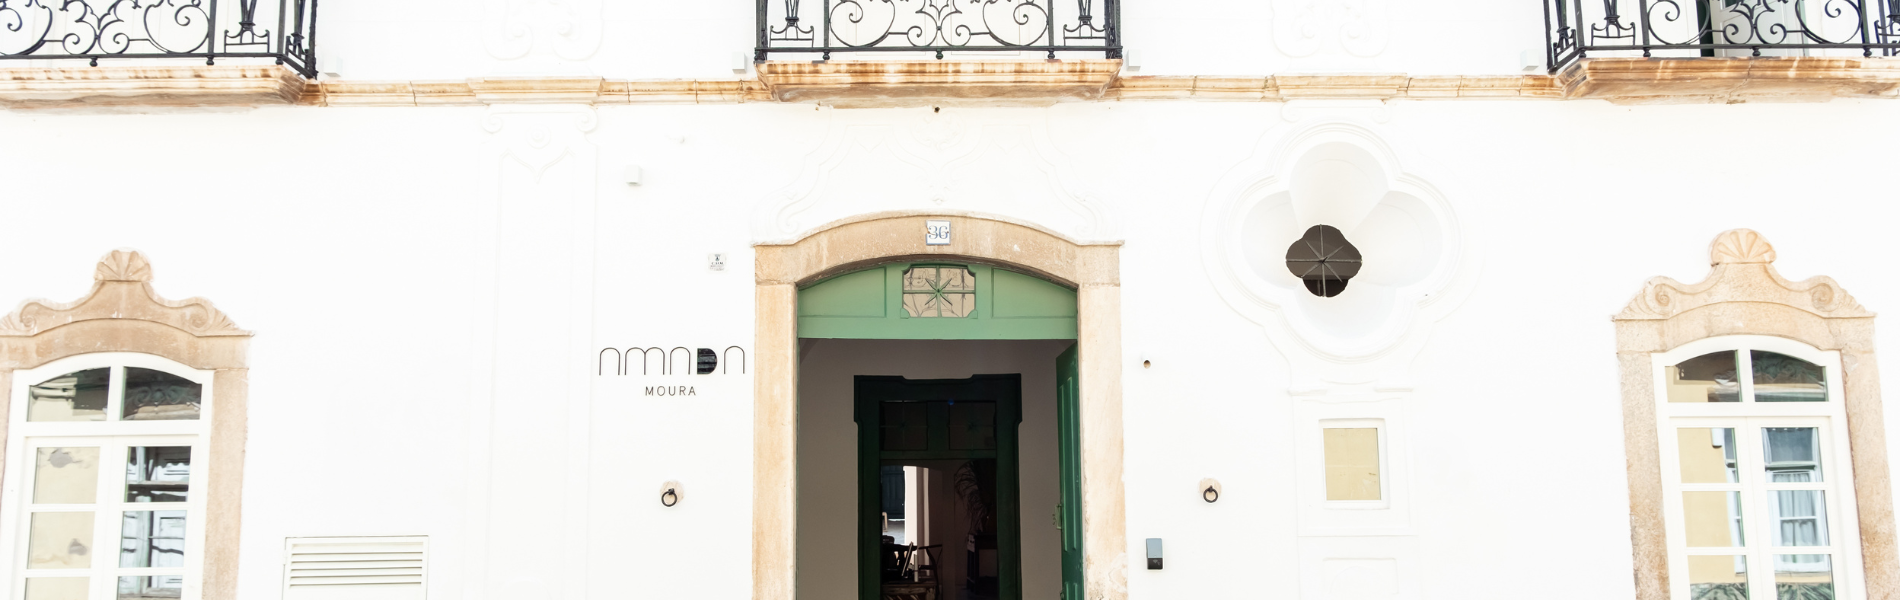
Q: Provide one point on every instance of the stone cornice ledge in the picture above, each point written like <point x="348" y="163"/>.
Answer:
<point x="149" y="86"/>
<point x="992" y="83"/>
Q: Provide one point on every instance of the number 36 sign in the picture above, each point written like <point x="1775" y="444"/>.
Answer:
<point x="936" y="233"/>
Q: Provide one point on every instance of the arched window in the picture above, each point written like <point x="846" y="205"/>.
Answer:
<point x="113" y="485"/>
<point x="1754" y="449"/>
<point x="1746" y="477"/>
<point x="104" y="448"/>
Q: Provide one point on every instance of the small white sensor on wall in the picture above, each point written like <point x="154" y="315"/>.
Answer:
<point x="631" y="174"/>
<point x="741" y="61"/>
<point x="1531" y="60"/>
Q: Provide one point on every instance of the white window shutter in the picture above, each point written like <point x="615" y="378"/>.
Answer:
<point x="356" y="568"/>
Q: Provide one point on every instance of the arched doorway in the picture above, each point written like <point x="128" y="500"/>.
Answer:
<point x="1091" y="271"/>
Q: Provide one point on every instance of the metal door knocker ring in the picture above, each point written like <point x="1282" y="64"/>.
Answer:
<point x="1210" y="490"/>
<point x="669" y="498"/>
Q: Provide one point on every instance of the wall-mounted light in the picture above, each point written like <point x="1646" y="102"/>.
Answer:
<point x="671" y="493"/>
<point x="1210" y="490"/>
<point x="1154" y="554"/>
<point x="632" y="174"/>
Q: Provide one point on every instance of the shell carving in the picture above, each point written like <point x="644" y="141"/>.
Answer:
<point x="123" y="265"/>
<point x="1740" y="246"/>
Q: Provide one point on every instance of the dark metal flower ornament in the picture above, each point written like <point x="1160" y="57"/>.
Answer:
<point x="1323" y="260"/>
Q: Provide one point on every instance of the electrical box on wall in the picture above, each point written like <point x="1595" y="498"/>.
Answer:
<point x="1154" y="554"/>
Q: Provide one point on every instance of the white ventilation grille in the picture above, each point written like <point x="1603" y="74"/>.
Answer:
<point x="355" y="568"/>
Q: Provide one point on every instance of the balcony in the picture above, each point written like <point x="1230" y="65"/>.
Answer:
<point x="95" y="30"/>
<point x="872" y="27"/>
<point x="1711" y="50"/>
<point x="955" y="51"/>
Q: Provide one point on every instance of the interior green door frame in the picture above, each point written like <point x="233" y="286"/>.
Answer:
<point x="870" y="395"/>
<point x="1007" y="305"/>
<point x="1069" y="439"/>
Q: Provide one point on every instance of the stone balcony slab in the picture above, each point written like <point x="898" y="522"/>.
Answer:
<point x="150" y="86"/>
<point x="1729" y="80"/>
<point x="916" y="83"/>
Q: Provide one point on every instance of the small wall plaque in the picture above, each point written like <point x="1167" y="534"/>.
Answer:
<point x="936" y="233"/>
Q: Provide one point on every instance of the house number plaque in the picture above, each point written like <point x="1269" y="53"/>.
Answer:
<point x="936" y="233"/>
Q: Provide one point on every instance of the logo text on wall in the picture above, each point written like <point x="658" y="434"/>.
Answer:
<point x="663" y="362"/>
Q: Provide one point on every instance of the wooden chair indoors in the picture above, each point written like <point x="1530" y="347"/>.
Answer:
<point x="916" y="580"/>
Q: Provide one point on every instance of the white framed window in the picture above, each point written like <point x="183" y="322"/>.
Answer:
<point x="106" y="451"/>
<point x="1758" y="488"/>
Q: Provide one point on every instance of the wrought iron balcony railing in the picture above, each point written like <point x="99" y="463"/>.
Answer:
<point x="282" y="30"/>
<point x="1665" y="28"/>
<point x="940" y="26"/>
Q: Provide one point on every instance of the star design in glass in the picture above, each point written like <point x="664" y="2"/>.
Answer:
<point x="939" y="291"/>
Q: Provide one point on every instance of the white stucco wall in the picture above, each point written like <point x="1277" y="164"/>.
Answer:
<point x="430" y="294"/>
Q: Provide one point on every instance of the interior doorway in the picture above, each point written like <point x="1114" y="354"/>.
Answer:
<point x="941" y="500"/>
<point x="938" y="435"/>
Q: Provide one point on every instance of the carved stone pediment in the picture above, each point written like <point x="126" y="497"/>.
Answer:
<point x="1743" y="271"/>
<point x="121" y="289"/>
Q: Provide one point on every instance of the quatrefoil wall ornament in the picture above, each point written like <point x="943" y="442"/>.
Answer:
<point x="1323" y="260"/>
<point x="1322" y="205"/>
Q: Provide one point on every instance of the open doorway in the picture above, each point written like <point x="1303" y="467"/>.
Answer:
<point x="954" y="491"/>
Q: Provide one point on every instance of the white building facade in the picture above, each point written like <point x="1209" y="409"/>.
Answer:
<point x="1317" y="299"/>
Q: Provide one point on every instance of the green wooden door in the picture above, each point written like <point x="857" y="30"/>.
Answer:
<point x="904" y="421"/>
<point x="1069" y="437"/>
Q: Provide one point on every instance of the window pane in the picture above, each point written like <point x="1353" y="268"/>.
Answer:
<point x="973" y="426"/>
<point x="1718" y="577"/>
<point x="159" y="396"/>
<point x="1804" y="577"/>
<point x="56" y="588"/>
<point x="1706" y="378"/>
<point x="153" y="539"/>
<point x="1707" y="454"/>
<point x="1782" y="378"/>
<point x="906" y="426"/>
<point x="60" y="540"/>
<point x="77" y="396"/>
<point x="157" y="473"/>
<point x="939" y="292"/>
<point x="156" y="586"/>
<point x="1800" y="518"/>
<point x="1352" y="464"/>
<point x="66" y="476"/>
<point x="1713" y="519"/>
<point x="1791" y="454"/>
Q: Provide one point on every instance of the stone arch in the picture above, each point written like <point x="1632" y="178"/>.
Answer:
<point x="1744" y="295"/>
<point x="780" y="268"/>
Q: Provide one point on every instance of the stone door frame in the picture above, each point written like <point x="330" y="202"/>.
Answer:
<point x="780" y="269"/>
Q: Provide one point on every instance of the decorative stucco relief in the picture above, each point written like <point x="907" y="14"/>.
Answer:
<point x="1742" y="270"/>
<point x="1303" y="28"/>
<point x="1417" y="260"/>
<point x="933" y="161"/>
<point x="516" y="29"/>
<point x="121" y="289"/>
<point x="540" y="137"/>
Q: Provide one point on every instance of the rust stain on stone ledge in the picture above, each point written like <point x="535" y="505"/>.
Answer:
<point x="910" y="83"/>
